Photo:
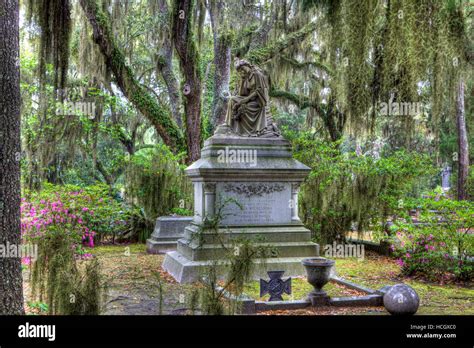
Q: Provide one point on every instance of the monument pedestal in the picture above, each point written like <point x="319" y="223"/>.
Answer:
<point x="259" y="180"/>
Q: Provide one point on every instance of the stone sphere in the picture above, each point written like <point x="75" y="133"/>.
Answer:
<point x="401" y="299"/>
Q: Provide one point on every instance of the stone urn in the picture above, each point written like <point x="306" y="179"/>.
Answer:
<point x="318" y="270"/>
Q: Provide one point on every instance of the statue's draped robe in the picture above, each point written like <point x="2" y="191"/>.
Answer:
<point x="250" y="117"/>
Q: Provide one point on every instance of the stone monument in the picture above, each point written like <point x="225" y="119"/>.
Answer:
<point x="246" y="160"/>
<point x="168" y="230"/>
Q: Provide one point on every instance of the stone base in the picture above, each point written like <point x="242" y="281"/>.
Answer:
<point x="168" y="230"/>
<point x="290" y="243"/>
<point x="318" y="299"/>
<point x="160" y="247"/>
<point x="187" y="271"/>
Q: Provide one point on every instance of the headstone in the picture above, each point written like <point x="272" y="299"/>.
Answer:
<point x="168" y="230"/>
<point x="401" y="299"/>
<point x="276" y="286"/>
<point x="445" y="175"/>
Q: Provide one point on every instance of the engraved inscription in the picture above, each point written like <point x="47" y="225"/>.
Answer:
<point x="259" y="206"/>
<point x="254" y="189"/>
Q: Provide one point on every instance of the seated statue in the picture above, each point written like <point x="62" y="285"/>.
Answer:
<point x="248" y="112"/>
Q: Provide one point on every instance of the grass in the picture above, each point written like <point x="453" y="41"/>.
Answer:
<point x="129" y="267"/>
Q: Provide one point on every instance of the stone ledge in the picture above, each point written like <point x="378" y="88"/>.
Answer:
<point x="352" y="285"/>
<point x="187" y="271"/>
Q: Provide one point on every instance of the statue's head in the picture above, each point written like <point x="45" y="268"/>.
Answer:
<point x="242" y="66"/>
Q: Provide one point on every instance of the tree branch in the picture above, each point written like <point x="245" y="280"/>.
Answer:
<point x="301" y="101"/>
<point x="158" y="115"/>
<point x="263" y="54"/>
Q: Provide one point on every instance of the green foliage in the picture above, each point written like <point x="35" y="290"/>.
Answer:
<point x="182" y="211"/>
<point x="69" y="285"/>
<point x="156" y="182"/>
<point x="262" y="54"/>
<point x="440" y="244"/>
<point x="344" y="188"/>
<point x="37" y="306"/>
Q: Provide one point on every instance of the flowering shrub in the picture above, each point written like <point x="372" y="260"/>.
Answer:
<point x="439" y="243"/>
<point x="51" y="218"/>
<point x="83" y="216"/>
<point x="62" y="220"/>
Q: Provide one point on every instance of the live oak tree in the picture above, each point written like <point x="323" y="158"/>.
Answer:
<point x="126" y="80"/>
<point x="11" y="290"/>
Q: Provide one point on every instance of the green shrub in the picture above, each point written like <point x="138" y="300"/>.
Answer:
<point x="344" y="189"/>
<point x="156" y="182"/>
<point x="440" y="245"/>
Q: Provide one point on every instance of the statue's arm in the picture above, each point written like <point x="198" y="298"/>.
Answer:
<point x="247" y="98"/>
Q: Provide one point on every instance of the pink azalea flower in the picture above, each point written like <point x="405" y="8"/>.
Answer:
<point x="400" y="262"/>
<point x="26" y="261"/>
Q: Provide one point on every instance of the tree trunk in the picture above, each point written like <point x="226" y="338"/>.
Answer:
<point x="165" y="67"/>
<point x="11" y="287"/>
<point x="189" y="63"/>
<point x="222" y="60"/>
<point x="463" y="146"/>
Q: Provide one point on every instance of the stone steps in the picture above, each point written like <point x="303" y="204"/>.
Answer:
<point x="192" y="251"/>
<point x="290" y="233"/>
<point x="187" y="271"/>
<point x="160" y="246"/>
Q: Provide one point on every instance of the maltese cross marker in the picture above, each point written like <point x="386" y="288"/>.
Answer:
<point x="275" y="286"/>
